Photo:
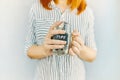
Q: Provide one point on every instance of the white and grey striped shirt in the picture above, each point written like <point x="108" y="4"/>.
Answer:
<point x="59" y="67"/>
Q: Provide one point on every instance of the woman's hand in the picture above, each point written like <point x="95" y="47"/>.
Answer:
<point x="45" y="49"/>
<point x="78" y="48"/>
<point x="77" y="43"/>
<point x="49" y="43"/>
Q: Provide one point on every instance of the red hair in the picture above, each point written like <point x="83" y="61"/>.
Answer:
<point x="79" y="4"/>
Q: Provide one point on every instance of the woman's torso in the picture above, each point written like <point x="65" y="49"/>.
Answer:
<point x="58" y="67"/>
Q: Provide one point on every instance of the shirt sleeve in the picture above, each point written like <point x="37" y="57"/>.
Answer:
<point x="90" y="37"/>
<point x="30" y="37"/>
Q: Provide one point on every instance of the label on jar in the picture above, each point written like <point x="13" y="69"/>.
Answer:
<point x="63" y="37"/>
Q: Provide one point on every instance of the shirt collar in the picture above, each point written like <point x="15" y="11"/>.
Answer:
<point x="52" y="4"/>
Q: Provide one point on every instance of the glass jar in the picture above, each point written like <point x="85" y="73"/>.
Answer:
<point x="65" y="37"/>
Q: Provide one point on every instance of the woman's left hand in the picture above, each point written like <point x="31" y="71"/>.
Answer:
<point x="77" y="44"/>
<point x="78" y="48"/>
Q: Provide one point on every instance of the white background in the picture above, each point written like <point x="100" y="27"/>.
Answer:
<point x="15" y="65"/>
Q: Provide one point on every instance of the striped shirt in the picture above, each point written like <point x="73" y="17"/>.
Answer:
<point x="65" y="67"/>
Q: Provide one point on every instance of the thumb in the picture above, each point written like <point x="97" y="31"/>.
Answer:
<point x="76" y="33"/>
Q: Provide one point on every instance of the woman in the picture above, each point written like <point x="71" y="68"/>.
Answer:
<point x="44" y="16"/>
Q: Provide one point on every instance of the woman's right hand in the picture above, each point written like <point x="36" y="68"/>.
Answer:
<point x="49" y="43"/>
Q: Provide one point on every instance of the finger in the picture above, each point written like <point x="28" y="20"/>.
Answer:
<point x="76" y="30"/>
<point x="56" y="24"/>
<point x="75" y="50"/>
<point x="76" y="33"/>
<point x="71" y="52"/>
<point x="79" y="40"/>
<point x="55" y="46"/>
<point x="53" y="32"/>
<point x="76" y="44"/>
<point x="56" y="42"/>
